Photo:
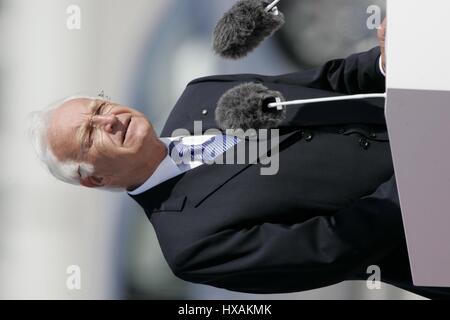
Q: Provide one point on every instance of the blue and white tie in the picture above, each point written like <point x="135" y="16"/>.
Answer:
<point x="205" y="152"/>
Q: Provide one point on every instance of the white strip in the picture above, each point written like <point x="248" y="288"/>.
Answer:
<point x="273" y="4"/>
<point x="318" y="100"/>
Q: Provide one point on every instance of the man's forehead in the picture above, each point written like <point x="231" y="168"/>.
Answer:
<point x="64" y="127"/>
<point x="73" y="109"/>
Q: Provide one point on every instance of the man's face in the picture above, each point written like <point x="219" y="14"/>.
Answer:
<point x="117" y="140"/>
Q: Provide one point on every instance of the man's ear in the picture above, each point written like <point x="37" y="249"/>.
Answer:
<point x="94" y="182"/>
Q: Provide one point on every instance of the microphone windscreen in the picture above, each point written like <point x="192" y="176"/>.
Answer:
<point x="244" y="27"/>
<point x="245" y="107"/>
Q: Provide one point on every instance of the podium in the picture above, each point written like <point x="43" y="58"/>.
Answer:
<point x="418" y="119"/>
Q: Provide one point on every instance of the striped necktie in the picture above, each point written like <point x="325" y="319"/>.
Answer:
<point x="205" y="152"/>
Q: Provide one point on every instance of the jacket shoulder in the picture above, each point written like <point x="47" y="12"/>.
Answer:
<point x="230" y="78"/>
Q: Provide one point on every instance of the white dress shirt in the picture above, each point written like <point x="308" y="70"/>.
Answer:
<point x="168" y="169"/>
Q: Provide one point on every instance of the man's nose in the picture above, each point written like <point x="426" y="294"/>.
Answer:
<point x="107" y="122"/>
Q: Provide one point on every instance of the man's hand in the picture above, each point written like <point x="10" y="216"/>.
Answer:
<point x="382" y="41"/>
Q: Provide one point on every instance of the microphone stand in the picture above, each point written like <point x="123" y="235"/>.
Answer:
<point x="279" y="105"/>
<point x="271" y="7"/>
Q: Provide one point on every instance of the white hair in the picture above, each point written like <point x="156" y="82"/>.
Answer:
<point x="66" y="171"/>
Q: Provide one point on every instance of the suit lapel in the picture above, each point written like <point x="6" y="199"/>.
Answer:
<point x="203" y="181"/>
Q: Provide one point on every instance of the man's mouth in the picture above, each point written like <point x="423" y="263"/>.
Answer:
<point x="125" y="131"/>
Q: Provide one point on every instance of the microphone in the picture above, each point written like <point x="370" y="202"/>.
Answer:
<point x="253" y="106"/>
<point x="245" y="26"/>
<point x="246" y="107"/>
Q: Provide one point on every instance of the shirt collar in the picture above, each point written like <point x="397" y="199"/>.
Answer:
<point x="166" y="170"/>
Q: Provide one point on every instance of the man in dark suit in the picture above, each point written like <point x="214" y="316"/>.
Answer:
<point x="329" y="213"/>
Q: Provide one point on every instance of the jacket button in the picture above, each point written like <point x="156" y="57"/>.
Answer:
<point x="308" y="136"/>
<point x="204" y="112"/>
<point x="364" y="143"/>
<point x="373" y="135"/>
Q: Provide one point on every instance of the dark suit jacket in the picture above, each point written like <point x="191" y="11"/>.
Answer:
<point x="330" y="212"/>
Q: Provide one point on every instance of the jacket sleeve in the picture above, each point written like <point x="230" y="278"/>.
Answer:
<point x="277" y="258"/>
<point x="359" y="73"/>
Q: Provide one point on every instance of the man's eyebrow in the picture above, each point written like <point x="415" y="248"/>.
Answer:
<point x="82" y="135"/>
<point x="84" y="129"/>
